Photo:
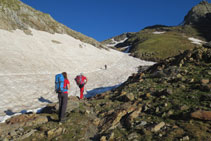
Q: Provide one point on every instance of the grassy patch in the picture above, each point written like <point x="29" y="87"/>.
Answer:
<point x="161" y="46"/>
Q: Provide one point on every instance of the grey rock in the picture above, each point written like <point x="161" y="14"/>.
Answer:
<point x="209" y="72"/>
<point x="143" y="123"/>
<point x="21" y="129"/>
<point x="133" y="136"/>
<point x="207" y="45"/>
<point x="28" y="134"/>
<point x="13" y="133"/>
<point x="54" y="132"/>
<point x="186" y="138"/>
<point x="167" y="91"/>
<point x="158" y="74"/>
<point x="157" y="127"/>
<point x="5" y="139"/>
<point x="171" y="112"/>
<point x="184" y="107"/>
<point x="157" y="109"/>
<point x="127" y="97"/>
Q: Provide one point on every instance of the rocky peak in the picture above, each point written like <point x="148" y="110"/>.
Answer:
<point x="203" y="2"/>
<point x="198" y="13"/>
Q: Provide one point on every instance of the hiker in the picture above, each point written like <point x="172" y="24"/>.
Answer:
<point x="62" y="87"/>
<point x="105" y="67"/>
<point x="81" y="80"/>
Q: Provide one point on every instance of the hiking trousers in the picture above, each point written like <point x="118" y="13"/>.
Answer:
<point x="62" y="105"/>
<point x="81" y="92"/>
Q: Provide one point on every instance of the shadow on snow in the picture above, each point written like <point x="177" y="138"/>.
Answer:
<point x="99" y="90"/>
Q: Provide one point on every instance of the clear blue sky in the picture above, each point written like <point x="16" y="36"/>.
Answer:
<point x="103" y="19"/>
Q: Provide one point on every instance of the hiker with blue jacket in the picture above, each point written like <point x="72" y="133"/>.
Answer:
<point x="62" y="87"/>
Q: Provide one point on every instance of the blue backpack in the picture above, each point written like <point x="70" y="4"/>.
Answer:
<point x="59" y="84"/>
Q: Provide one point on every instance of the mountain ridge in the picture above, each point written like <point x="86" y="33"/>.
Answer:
<point x="146" y="45"/>
<point x="16" y="15"/>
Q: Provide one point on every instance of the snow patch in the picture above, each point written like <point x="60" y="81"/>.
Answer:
<point x="158" y="32"/>
<point x="196" y="41"/>
<point x="114" y="43"/>
<point x="127" y="49"/>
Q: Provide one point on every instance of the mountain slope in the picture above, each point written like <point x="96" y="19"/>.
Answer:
<point x="16" y="15"/>
<point x="159" y="42"/>
<point x="29" y="62"/>
<point x="155" y="43"/>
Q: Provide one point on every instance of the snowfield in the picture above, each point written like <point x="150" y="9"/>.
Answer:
<point x="29" y="64"/>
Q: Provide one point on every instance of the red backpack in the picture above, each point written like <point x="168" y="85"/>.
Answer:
<point x="80" y="79"/>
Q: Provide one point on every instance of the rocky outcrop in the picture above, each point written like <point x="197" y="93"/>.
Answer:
<point x="118" y="39"/>
<point x="199" y="17"/>
<point x="198" y="14"/>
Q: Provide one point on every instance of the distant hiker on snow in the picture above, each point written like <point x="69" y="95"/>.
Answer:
<point x="81" y="80"/>
<point x="62" y="85"/>
<point x="105" y="67"/>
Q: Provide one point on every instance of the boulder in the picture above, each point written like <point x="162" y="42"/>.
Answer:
<point x="132" y="116"/>
<point x="54" y="132"/>
<point x="103" y="138"/>
<point x="204" y="81"/>
<point x="127" y="97"/>
<point x="111" y="121"/>
<point x="28" y="134"/>
<point x="157" y="127"/>
<point x="202" y="115"/>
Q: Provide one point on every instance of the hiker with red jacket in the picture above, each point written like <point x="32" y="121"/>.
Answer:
<point x="81" y="80"/>
<point x="62" y="87"/>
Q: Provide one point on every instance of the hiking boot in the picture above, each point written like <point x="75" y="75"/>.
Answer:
<point x="62" y="120"/>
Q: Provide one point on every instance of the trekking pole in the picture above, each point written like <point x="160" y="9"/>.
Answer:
<point x="86" y="90"/>
<point x="75" y="91"/>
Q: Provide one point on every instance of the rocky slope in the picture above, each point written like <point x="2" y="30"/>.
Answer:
<point x="168" y="101"/>
<point x="152" y="42"/>
<point x="16" y="15"/>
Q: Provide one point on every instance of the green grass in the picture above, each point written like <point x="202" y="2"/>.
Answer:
<point x="152" y="47"/>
